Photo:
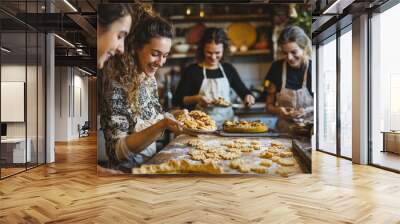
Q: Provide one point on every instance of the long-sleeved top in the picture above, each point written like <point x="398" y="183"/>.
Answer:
<point x="126" y="110"/>
<point x="192" y="78"/>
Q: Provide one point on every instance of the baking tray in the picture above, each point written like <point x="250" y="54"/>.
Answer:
<point x="263" y="134"/>
<point x="303" y="151"/>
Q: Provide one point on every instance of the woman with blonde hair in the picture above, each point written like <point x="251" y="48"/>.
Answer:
<point x="288" y="82"/>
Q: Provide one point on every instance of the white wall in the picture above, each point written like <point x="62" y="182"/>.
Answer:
<point x="252" y="74"/>
<point x="70" y="83"/>
<point x="34" y="125"/>
<point x="16" y="73"/>
<point x="61" y="103"/>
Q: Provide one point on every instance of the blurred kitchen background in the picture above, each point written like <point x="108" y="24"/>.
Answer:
<point x="253" y="30"/>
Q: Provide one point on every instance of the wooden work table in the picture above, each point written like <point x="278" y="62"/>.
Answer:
<point x="178" y="149"/>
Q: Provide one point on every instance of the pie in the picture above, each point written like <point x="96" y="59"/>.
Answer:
<point x="220" y="101"/>
<point x="245" y="126"/>
<point x="197" y="120"/>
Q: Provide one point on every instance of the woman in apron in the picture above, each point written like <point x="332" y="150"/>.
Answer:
<point x="204" y="82"/>
<point x="289" y="80"/>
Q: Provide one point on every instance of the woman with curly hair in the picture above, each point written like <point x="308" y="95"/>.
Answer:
<point x="131" y="115"/>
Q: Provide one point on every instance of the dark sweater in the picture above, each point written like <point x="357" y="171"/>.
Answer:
<point x="192" y="78"/>
<point x="294" y="76"/>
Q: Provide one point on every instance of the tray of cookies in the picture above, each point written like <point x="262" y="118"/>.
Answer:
<point x="223" y="155"/>
<point x="198" y="122"/>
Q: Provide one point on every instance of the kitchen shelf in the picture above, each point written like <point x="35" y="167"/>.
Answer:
<point x="220" y="18"/>
<point x="246" y="53"/>
<point x="250" y="56"/>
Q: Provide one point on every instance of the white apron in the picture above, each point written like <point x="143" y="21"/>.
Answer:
<point x="300" y="98"/>
<point x="212" y="89"/>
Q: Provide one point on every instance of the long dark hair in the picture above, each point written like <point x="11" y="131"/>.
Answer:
<point x="122" y="68"/>
<point x="109" y="13"/>
<point x="150" y="27"/>
<point x="212" y="35"/>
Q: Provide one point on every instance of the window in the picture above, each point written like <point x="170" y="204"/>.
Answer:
<point x="327" y="96"/>
<point x="22" y="74"/>
<point x="385" y="87"/>
<point x="346" y="93"/>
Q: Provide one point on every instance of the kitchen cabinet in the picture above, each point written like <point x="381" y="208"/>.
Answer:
<point x="252" y="56"/>
<point x="220" y="18"/>
<point x="186" y="26"/>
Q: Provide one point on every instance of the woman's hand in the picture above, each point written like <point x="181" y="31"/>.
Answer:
<point x="203" y="100"/>
<point x="290" y="113"/>
<point x="283" y="113"/>
<point x="176" y="126"/>
<point x="286" y="112"/>
<point x="248" y="100"/>
<point x="173" y="125"/>
<point x="178" y="112"/>
<point x="299" y="113"/>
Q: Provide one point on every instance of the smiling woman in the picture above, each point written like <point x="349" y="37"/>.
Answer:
<point x="289" y="80"/>
<point x="131" y="115"/>
<point x="114" y="25"/>
<point x="151" y="44"/>
<point x="210" y="79"/>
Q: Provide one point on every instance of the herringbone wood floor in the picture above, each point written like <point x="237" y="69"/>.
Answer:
<point x="70" y="191"/>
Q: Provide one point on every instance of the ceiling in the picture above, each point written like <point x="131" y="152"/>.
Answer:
<point x="329" y="15"/>
<point x="22" y="20"/>
<point x="77" y="27"/>
<point x="73" y="20"/>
